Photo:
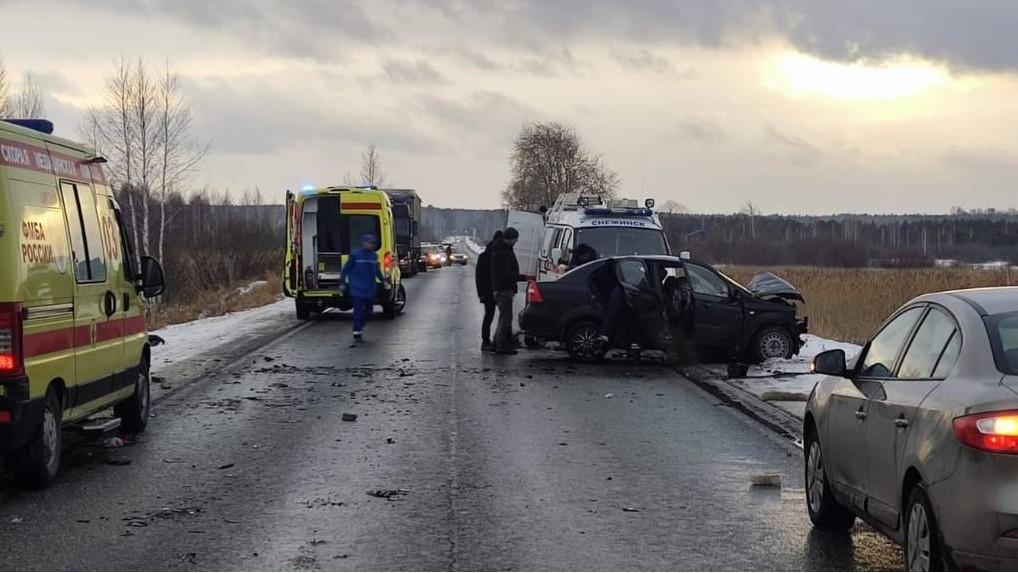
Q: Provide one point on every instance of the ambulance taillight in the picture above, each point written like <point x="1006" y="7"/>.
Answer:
<point x="387" y="261"/>
<point x="12" y="362"/>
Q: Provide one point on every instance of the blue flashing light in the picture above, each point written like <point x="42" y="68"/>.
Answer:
<point x="618" y="212"/>
<point x="308" y="188"/>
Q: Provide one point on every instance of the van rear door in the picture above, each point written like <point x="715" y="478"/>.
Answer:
<point x="291" y="258"/>
<point x="528" y="248"/>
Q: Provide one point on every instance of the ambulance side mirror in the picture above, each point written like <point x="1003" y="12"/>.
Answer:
<point x="152" y="283"/>
<point x="556" y="256"/>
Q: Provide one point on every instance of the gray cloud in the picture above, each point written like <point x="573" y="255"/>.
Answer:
<point x="702" y="131"/>
<point x="980" y="34"/>
<point x="419" y="72"/>
<point x="795" y="149"/>
<point x="982" y="160"/>
<point x="258" y="120"/>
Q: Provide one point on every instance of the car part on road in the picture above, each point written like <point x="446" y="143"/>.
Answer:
<point x="825" y="511"/>
<point x="922" y="538"/>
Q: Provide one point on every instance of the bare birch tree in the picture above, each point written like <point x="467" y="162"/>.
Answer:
<point x="371" y="167"/>
<point x="5" y="92"/>
<point x="27" y="103"/>
<point x="181" y="153"/>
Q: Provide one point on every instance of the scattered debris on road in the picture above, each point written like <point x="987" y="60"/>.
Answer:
<point x="630" y="510"/>
<point x="349" y="417"/>
<point x="766" y="479"/>
<point x="226" y="466"/>
<point x="388" y="494"/>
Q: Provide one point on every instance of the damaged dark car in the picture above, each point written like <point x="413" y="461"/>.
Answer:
<point x="678" y="306"/>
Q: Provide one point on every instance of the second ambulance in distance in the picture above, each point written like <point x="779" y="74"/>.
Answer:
<point x="611" y="228"/>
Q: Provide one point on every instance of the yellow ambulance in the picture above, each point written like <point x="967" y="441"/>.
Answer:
<point x="72" y="332"/>
<point x="323" y="226"/>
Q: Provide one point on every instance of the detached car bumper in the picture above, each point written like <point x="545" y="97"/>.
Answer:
<point x="19" y="415"/>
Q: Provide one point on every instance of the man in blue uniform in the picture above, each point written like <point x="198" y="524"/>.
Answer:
<point x="360" y="276"/>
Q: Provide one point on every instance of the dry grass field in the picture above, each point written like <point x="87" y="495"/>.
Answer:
<point x="216" y="302"/>
<point x="850" y="304"/>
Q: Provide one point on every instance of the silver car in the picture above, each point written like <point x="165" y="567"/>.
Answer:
<point x="918" y="435"/>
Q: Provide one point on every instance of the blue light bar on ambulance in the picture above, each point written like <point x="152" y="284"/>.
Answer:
<point x="308" y="188"/>
<point x="618" y="212"/>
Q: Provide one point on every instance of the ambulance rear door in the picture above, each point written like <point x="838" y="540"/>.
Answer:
<point x="528" y="248"/>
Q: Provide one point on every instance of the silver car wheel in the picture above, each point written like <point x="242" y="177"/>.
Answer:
<point x="774" y="345"/>
<point x="815" y="485"/>
<point x="51" y="441"/>
<point x="585" y="342"/>
<point x="918" y="539"/>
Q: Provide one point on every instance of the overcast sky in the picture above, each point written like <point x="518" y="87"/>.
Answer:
<point x="801" y="106"/>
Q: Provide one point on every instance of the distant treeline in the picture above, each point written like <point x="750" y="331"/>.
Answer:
<point x="836" y="241"/>
<point x="845" y="240"/>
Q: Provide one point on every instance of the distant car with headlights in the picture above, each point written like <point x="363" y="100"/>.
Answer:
<point x="434" y="255"/>
<point x="460" y="259"/>
<point x="918" y="435"/>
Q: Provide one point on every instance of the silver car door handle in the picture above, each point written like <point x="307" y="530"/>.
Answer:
<point x="860" y="414"/>
<point x="901" y="422"/>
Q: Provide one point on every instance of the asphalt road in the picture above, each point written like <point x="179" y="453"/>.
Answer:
<point x="480" y="461"/>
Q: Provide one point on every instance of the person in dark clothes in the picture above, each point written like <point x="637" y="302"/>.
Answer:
<point x="505" y="274"/>
<point x="482" y="278"/>
<point x="583" y="254"/>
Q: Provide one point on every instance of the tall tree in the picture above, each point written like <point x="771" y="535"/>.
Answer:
<point x="5" y="92"/>
<point x="180" y="153"/>
<point x="27" y="103"/>
<point x="547" y="160"/>
<point x="371" y="167"/>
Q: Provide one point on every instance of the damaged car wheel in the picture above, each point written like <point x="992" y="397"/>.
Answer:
<point x="772" y="342"/>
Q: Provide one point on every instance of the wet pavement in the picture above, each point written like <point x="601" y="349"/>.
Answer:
<point x="456" y="460"/>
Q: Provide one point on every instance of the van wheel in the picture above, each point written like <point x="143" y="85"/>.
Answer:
<point x="922" y="537"/>
<point x="303" y="311"/>
<point x="134" y="411"/>
<point x="771" y="342"/>
<point x="37" y="465"/>
<point x="396" y="305"/>
<point x="582" y="342"/>
<point x="824" y="510"/>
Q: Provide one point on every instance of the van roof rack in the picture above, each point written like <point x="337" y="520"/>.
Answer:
<point x="40" y="125"/>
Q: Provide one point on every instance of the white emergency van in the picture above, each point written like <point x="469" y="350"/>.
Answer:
<point x="610" y="228"/>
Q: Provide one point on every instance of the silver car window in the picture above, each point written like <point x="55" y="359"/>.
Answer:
<point x="927" y="346"/>
<point x="879" y="360"/>
<point x="949" y="357"/>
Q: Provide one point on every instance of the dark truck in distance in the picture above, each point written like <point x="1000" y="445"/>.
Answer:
<point x="720" y="318"/>
<point x="406" y="213"/>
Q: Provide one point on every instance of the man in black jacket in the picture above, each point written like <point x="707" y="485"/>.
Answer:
<point x="482" y="277"/>
<point x="505" y="273"/>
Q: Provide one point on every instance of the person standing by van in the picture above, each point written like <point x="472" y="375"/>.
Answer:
<point x="505" y="273"/>
<point x="482" y="278"/>
<point x="363" y="274"/>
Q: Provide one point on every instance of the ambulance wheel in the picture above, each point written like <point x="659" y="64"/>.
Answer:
<point x="134" y="411"/>
<point x="303" y="311"/>
<point x="38" y="463"/>
<point x="396" y="305"/>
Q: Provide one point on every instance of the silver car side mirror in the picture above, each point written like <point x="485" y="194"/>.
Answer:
<point x="831" y="363"/>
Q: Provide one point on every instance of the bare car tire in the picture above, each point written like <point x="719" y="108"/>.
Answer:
<point x="922" y="548"/>
<point x="826" y="513"/>
<point x="134" y="412"/>
<point x="38" y="463"/>
<point x="303" y="312"/>
<point x="581" y="341"/>
<point x="772" y="342"/>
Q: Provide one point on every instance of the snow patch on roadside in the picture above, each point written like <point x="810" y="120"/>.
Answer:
<point x="789" y="376"/>
<point x="189" y="339"/>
